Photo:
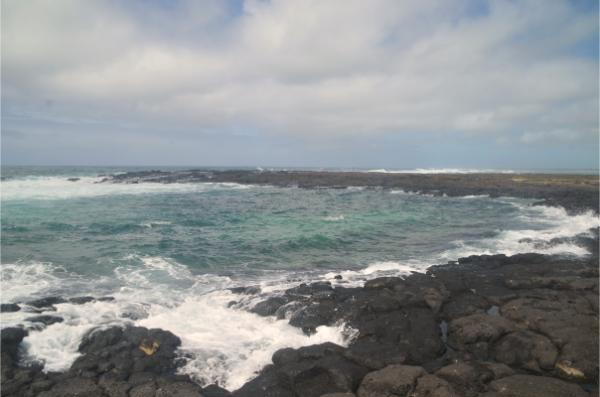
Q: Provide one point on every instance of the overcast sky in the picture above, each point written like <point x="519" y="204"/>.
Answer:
<point x="348" y="83"/>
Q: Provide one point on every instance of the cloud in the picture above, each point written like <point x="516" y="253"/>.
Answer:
<point x="310" y="70"/>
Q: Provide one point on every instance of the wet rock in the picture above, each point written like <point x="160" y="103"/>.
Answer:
<point x="535" y="386"/>
<point x="80" y="300"/>
<point x="73" y="179"/>
<point x="313" y="316"/>
<point x="527" y="350"/>
<point x="251" y="290"/>
<point x="339" y="395"/>
<point x="9" y="307"/>
<point x="124" y="351"/>
<point x="45" y="319"/>
<point x="215" y="391"/>
<point x="321" y="289"/>
<point x="396" y="380"/>
<point x="269" y="307"/>
<point x="10" y="339"/>
<point x="46" y="302"/>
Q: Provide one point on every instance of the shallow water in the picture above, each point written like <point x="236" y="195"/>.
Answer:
<point x="167" y="253"/>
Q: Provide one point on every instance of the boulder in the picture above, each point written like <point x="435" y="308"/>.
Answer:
<point x="48" y="302"/>
<point x="476" y="333"/>
<point x="309" y="371"/>
<point x="432" y="386"/>
<point x="9" y="307"/>
<point x="393" y="380"/>
<point x="527" y="350"/>
<point x="45" y="319"/>
<point x="269" y="307"/>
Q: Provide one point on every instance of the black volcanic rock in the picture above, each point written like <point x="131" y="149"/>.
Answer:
<point x="309" y="371"/>
<point x="45" y="319"/>
<point x="9" y="307"/>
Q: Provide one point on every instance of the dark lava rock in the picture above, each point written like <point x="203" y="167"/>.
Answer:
<point x="432" y="386"/>
<point x="395" y="380"/>
<point x="269" y="307"/>
<point x="124" y="351"/>
<point x="215" y="391"/>
<point x="321" y="289"/>
<point x="74" y="387"/>
<point x="527" y="350"/>
<point x="45" y="319"/>
<point x="10" y="340"/>
<point x="73" y="179"/>
<point x="46" y="302"/>
<point x="313" y="315"/>
<point x="309" y="371"/>
<point x="179" y="389"/>
<point x="477" y="333"/>
<point x="79" y="300"/>
<point x="9" y="307"/>
<point x="466" y="378"/>
<point x="410" y="332"/>
<point x="535" y="386"/>
<point x="252" y="290"/>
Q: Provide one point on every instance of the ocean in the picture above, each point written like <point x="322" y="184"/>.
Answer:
<point x="168" y="254"/>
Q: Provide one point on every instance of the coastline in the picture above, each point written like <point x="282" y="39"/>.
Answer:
<point x="575" y="193"/>
<point x="486" y="325"/>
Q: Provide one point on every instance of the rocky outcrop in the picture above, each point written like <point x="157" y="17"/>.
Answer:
<point x="487" y="326"/>
<point x="309" y="371"/>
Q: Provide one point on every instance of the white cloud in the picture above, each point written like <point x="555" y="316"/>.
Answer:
<point x="311" y="68"/>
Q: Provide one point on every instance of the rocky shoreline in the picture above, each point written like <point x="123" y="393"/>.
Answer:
<point x="525" y="325"/>
<point x="485" y="326"/>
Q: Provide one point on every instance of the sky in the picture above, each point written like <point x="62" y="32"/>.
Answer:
<point x="311" y="83"/>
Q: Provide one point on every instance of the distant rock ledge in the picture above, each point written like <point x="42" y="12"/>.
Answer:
<point x="575" y="193"/>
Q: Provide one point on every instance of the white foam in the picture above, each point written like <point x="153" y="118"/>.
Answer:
<point x="57" y="345"/>
<point x="411" y="193"/>
<point x="51" y="188"/>
<point x="334" y="218"/>
<point x="230" y="346"/>
<point x="22" y="280"/>
<point x="357" y="278"/>
<point x="551" y="223"/>
<point x="152" y="224"/>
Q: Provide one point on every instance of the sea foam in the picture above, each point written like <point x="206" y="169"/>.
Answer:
<point x="53" y="188"/>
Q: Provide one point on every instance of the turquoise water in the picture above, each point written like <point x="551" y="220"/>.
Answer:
<point x="231" y="229"/>
<point x="168" y="253"/>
